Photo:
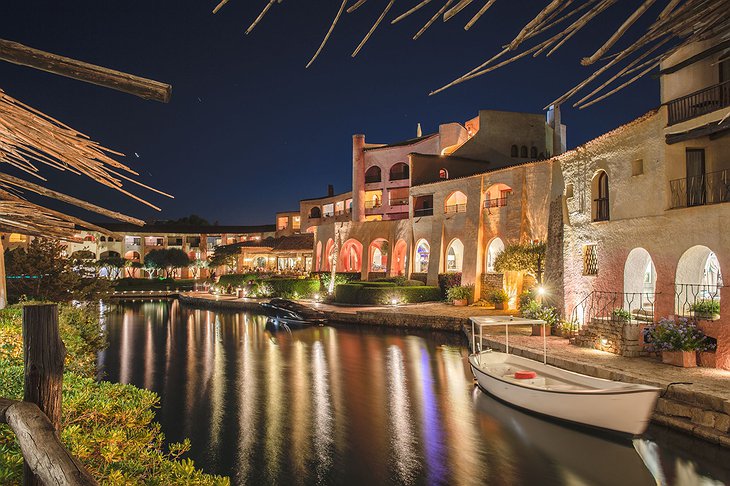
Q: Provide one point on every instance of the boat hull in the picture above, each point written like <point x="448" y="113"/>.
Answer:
<point x="626" y="409"/>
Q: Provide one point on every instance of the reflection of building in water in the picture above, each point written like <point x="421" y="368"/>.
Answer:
<point x="402" y="441"/>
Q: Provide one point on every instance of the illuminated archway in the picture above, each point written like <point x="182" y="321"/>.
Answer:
<point x="496" y="246"/>
<point x="455" y="203"/>
<point x="497" y="195"/>
<point x="132" y="255"/>
<point x="318" y="257"/>
<point x="378" y="251"/>
<point x="639" y="281"/>
<point x="328" y="254"/>
<point x="421" y="258"/>
<point x="351" y="256"/>
<point x="698" y="278"/>
<point x="399" y="258"/>
<point x="455" y="256"/>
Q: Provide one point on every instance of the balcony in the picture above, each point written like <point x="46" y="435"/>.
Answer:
<point x="497" y="202"/>
<point x="372" y="179"/>
<point x="399" y="202"/>
<point x="699" y="103"/>
<point x="455" y="208"/>
<point x="372" y="204"/>
<point x="710" y="188"/>
<point x="423" y="212"/>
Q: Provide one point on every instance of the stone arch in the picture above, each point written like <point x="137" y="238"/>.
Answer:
<point x="496" y="195"/>
<point x="494" y="248"/>
<point x="455" y="203"/>
<point x="109" y="254"/>
<point x="399" y="172"/>
<point x="639" y="281"/>
<point x="328" y="254"/>
<point x="351" y="256"/>
<point x="455" y="256"/>
<point x="132" y="255"/>
<point x="422" y="256"/>
<point x="698" y="277"/>
<point x="378" y="252"/>
<point x="315" y="212"/>
<point x="373" y="175"/>
<point x="398" y="265"/>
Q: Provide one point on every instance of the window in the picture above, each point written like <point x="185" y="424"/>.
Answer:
<point x="296" y="223"/>
<point x="110" y="240"/>
<point x="282" y="223"/>
<point x="443" y="174"/>
<point x="523" y="152"/>
<point x="637" y="167"/>
<point x="340" y="208"/>
<point x="399" y="172"/>
<point x="315" y="213"/>
<point x="328" y="210"/>
<point x="569" y="190"/>
<point x="533" y="153"/>
<point x="348" y="206"/>
<point x="103" y="238"/>
<point x="373" y="199"/>
<point x="423" y="205"/>
<point x="590" y="260"/>
<point x="455" y="256"/>
<point x="372" y="175"/>
<point x="423" y="250"/>
<point x="600" y="199"/>
<point x="398" y="197"/>
<point x="513" y="151"/>
<point x="456" y="203"/>
<point x="496" y="246"/>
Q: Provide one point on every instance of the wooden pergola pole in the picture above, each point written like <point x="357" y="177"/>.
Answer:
<point x="71" y="68"/>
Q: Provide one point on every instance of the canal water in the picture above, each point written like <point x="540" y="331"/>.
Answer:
<point x="362" y="406"/>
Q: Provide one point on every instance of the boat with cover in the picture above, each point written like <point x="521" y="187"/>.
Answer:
<point x="293" y="313"/>
<point x="555" y="392"/>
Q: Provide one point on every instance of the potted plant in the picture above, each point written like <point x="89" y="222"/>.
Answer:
<point x="460" y="294"/>
<point x="498" y="298"/>
<point x="620" y="315"/>
<point x="677" y="341"/>
<point x="707" y="309"/>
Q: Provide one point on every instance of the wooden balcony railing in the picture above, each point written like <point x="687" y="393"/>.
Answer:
<point x="710" y="188"/>
<point x="456" y="208"/>
<point x="372" y="204"/>
<point x="699" y="103"/>
<point x="418" y="212"/>
<point x="497" y="202"/>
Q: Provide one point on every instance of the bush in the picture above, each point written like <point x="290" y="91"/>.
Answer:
<point x="460" y="292"/>
<point x="680" y="335"/>
<point x="376" y="284"/>
<point x="448" y="280"/>
<point x="361" y="293"/>
<point x="498" y="296"/>
<point x="347" y="293"/>
<point x="293" y="288"/>
<point x="620" y="314"/>
<point x="547" y="313"/>
<point x="237" y="279"/>
<point x="109" y="427"/>
<point x="706" y="307"/>
<point x="525" y="298"/>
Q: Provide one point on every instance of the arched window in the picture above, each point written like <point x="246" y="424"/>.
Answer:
<point x="443" y="174"/>
<point x="423" y="250"/>
<point x="455" y="256"/>
<point x="523" y="152"/>
<point x="455" y="203"/>
<point x="533" y="153"/>
<point x="513" y="151"/>
<point x="89" y="238"/>
<point x="496" y="246"/>
<point x="372" y="175"/>
<point x="103" y="238"/>
<point x="399" y="172"/>
<point x="599" y="188"/>
<point x="315" y="212"/>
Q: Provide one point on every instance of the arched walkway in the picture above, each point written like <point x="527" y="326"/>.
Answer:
<point x="639" y="282"/>
<point x="455" y="256"/>
<point x="421" y="257"/>
<point x="398" y="266"/>
<point x="698" y="278"/>
<point x="109" y="254"/>
<point x="318" y="257"/>
<point x="379" y="250"/>
<point x="496" y="246"/>
<point x="132" y="255"/>
<point x="351" y="256"/>
<point x="328" y="254"/>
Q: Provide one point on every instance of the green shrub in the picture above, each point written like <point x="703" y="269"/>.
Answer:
<point x="237" y="279"/>
<point x="706" y="307"/>
<point x="293" y="288"/>
<point x="448" y="280"/>
<point x="459" y="292"/>
<point x="375" y="284"/>
<point x="109" y="427"/>
<point x="498" y="296"/>
<point x="620" y="314"/>
<point x="402" y="295"/>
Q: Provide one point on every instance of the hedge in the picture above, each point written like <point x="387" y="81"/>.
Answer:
<point x="237" y="279"/>
<point x="357" y="293"/>
<point x="293" y="287"/>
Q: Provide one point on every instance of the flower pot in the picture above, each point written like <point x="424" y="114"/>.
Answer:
<point x="499" y="305"/>
<point x="707" y="359"/>
<point x="460" y="302"/>
<point x="537" y="330"/>
<point x="683" y="359"/>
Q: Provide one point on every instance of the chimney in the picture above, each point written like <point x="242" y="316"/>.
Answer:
<point x="557" y="131"/>
<point x="419" y="132"/>
<point x="330" y="190"/>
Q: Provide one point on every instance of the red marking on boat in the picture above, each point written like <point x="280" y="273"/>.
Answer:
<point x="525" y="375"/>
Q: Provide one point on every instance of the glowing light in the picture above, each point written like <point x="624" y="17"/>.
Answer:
<point x="604" y="342"/>
<point x="394" y="301"/>
<point x="317" y="297"/>
<point x="541" y="290"/>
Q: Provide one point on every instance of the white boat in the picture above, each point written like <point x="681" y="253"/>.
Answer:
<point x="558" y="393"/>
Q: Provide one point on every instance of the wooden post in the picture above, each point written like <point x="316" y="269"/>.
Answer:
<point x="44" y="354"/>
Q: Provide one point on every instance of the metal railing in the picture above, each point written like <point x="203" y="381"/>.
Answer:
<point x="372" y="204"/>
<point x="455" y="208"/>
<point x="423" y="212"/>
<point x="399" y="175"/>
<point x="710" y="188"/>
<point x="497" y="202"/>
<point x="601" y="205"/>
<point x="699" y="103"/>
<point x="605" y="305"/>
<point x="399" y="202"/>
<point x="687" y="295"/>
<point x="372" y="179"/>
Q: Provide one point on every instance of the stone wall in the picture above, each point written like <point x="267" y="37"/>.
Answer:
<point x="622" y="338"/>
<point x="491" y="282"/>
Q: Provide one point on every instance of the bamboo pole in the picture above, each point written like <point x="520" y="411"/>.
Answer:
<point x="372" y="29"/>
<point x="22" y="55"/>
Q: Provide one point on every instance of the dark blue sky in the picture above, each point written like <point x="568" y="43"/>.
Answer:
<point x="249" y="131"/>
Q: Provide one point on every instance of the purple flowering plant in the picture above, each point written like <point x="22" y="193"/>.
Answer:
<point x="680" y="335"/>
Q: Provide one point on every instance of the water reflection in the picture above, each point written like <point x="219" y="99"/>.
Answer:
<point x="361" y="406"/>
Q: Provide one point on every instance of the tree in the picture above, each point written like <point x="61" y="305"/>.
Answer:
<point x="196" y="265"/>
<point x="193" y="220"/>
<point x="522" y="257"/>
<point x="112" y="265"/>
<point x="84" y="262"/>
<point x="44" y="272"/>
<point x="167" y="259"/>
<point x="225" y="256"/>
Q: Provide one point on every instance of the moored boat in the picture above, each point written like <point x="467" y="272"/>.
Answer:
<point x="293" y="313"/>
<point x="559" y="393"/>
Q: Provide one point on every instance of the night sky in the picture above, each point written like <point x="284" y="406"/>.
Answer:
<point x="249" y="130"/>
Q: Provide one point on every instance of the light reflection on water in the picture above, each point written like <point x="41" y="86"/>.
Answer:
<point x="357" y="406"/>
